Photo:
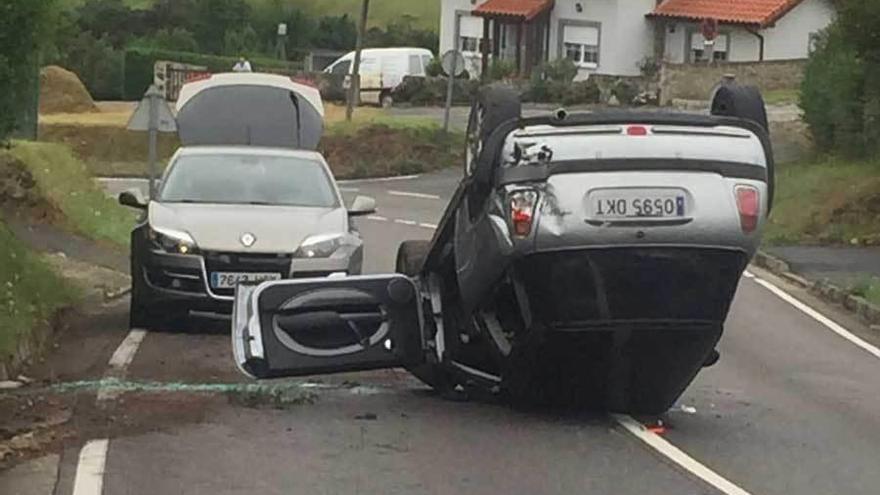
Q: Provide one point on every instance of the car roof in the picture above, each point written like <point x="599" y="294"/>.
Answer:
<point x="249" y="150"/>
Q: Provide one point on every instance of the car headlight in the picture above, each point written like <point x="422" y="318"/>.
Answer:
<point x="324" y="245"/>
<point x="172" y="241"/>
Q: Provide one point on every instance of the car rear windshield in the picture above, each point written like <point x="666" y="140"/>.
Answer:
<point x="249" y="179"/>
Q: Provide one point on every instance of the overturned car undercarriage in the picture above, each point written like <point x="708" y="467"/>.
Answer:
<point x="585" y="260"/>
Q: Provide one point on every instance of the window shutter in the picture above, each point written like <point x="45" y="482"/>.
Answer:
<point x="582" y="35"/>
<point x="471" y="27"/>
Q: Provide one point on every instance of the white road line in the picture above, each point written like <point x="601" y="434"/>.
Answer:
<point x="678" y="456"/>
<point x="125" y="352"/>
<point x="119" y="362"/>
<point x="349" y="189"/>
<point x="377" y="218"/>
<point x="121" y="179"/>
<point x="378" y="179"/>
<point x="428" y="226"/>
<point x="812" y="313"/>
<point x="413" y="195"/>
<point x="405" y="222"/>
<point x="89" y="478"/>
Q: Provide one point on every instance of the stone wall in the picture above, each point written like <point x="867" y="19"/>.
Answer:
<point x="695" y="82"/>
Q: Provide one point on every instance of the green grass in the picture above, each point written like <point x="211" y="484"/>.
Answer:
<point x="828" y="201"/>
<point x="425" y="13"/>
<point x="30" y="293"/>
<point x="66" y="183"/>
<point x="869" y="288"/>
<point x="782" y="96"/>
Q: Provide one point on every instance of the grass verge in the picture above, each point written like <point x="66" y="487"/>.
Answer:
<point x="782" y="96"/>
<point x="30" y="293"/>
<point x="869" y="289"/>
<point x="828" y="201"/>
<point x="66" y="183"/>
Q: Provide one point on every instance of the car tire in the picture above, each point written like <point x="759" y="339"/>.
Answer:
<point x="492" y="106"/>
<point x="410" y="258"/>
<point x="745" y="102"/>
<point x="386" y="100"/>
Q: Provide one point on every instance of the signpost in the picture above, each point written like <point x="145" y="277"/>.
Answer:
<point x="453" y="65"/>
<point x="153" y="115"/>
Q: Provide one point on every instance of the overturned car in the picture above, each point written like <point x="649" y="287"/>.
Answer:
<point x="584" y="259"/>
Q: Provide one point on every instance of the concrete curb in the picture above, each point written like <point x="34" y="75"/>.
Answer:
<point x="824" y="289"/>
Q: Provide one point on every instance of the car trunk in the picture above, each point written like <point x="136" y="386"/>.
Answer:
<point x="251" y="110"/>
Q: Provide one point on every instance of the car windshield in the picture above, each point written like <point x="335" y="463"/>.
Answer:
<point x="248" y="179"/>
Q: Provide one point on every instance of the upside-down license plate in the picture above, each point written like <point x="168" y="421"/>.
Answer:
<point x="611" y="204"/>
<point x="229" y="280"/>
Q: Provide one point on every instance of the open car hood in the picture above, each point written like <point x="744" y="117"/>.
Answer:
<point x="250" y="109"/>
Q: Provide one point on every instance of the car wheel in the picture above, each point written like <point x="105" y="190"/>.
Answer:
<point x="745" y="102"/>
<point x="386" y="100"/>
<point x="410" y="258"/>
<point x="492" y="106"/>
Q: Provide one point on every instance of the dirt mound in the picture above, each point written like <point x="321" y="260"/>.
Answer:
<point x="61" y="91"/>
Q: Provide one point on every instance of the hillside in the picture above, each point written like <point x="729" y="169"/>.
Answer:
<point x="426" y="13"/>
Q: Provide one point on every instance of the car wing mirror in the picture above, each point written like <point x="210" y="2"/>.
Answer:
<point x="133" y="198"/>
<point x="362" y="205"/>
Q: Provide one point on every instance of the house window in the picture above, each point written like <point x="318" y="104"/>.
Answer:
<point x="470" y="33"/>
<point x="581" y="45"/>
<point x="699" y="51"/>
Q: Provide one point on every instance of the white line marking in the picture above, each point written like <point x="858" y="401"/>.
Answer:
<point x="118" y="365"/>
<point x="428" y="226"/>
<point x="349" y="189"/>
<point x="125" y="352"/>
<point x="677" y="456"/>
<point x="89" y="478"/>
<point x="812" y="313"/>
<point x="405" y="222"/>
<point x="378" y="179"/>
<point x="377" y="218"/>
<point x="122" y="179"/>
<point x="413" y="195"/>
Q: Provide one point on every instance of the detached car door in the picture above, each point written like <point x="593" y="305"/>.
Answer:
<point x="317" y="326"/>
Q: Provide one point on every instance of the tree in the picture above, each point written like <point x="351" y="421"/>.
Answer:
<point x="22" y="27"/>
<point x="214" y="18"/>
<point x="335" y="33"/>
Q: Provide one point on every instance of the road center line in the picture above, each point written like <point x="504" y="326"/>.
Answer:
<point x="89" y="478"/>
<point x="428" y="225"/>
<point x="413" y="195"/>
<point x="678" y="456"/>
<point x="405" y="222"/>
<point x="812" y="313"/>
<point x="377" y="218"/>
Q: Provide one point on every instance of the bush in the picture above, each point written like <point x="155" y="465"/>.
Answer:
<point x="97" y="64"/>
<point x="625" y="92"/>
<point x="139" y="64"/>
<point x="839" y="94"/>
<point x="426" y="91"/>
<point x="560" y="70"/>
<point x="501" y="69"/>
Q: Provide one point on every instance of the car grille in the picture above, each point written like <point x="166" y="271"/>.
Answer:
<point x="246" y="263"/>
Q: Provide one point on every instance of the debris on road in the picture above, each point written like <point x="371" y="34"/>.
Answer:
<point x="10" y="384"/>
<point x="688" y="409"/>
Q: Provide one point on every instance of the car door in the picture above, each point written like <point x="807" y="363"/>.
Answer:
<point x="318" y="326"/>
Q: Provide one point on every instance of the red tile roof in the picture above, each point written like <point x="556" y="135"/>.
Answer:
<point x="760" y="12"/>
<point x="525" y="9"/>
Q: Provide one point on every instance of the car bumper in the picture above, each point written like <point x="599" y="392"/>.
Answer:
<point x="182" y="282"/>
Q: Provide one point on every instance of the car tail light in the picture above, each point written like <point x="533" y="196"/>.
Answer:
<point x="522" y="211"/>
<point x="636" y="130"/>
<point x="199" y="76"/>
<point x="748" y="202"/>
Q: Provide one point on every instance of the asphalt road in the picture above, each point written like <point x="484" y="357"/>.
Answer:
<point x="791" y="408"/>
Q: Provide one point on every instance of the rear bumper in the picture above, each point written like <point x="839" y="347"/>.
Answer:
<point x="647" y="288"/>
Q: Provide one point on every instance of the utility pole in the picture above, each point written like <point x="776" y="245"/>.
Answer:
<point x="354" y="90"/>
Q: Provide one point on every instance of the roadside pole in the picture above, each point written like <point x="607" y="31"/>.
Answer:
<point x="153" y="115"/>
<point x="453" y="65"/>
<point x="354" y="89"/>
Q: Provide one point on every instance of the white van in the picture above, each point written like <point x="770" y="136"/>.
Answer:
<point x="383" y="69"/>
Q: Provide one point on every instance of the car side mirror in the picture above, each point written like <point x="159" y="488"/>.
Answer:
<point x="133" y="198"/>
<point x="362" y="205"/>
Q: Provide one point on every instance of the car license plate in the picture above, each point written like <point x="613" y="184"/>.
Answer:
<point x="229" y="280"/>
<point x="613" y="204"/>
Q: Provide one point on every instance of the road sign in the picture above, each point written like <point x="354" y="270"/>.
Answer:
<point x="453" y="63"/>
<point x="140" y="119"/>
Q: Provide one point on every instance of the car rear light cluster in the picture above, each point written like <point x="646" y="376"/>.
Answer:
<point x="522" y="211"/>
<point x="748" y="203"/>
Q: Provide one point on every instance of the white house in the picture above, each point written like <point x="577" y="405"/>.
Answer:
<point x="747" y="31"/>
<point x="613" y="36"/>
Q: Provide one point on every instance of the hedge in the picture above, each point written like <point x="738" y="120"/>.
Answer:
<point x="140" y="62"/>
